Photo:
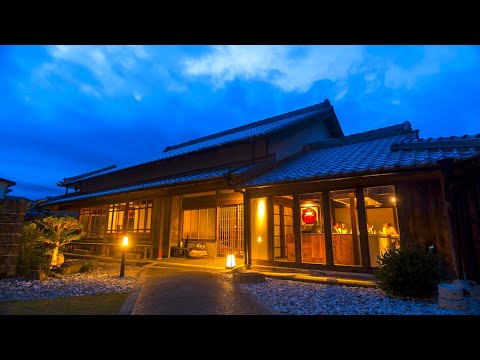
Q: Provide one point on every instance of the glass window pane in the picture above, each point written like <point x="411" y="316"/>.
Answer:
<point x="382" y="221"/>
<point x="186" y="224"/>
<point x="345" y="236"/>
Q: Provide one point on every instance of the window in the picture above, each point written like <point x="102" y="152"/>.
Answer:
<point x="93" y="221"/>
<point x="199" y="224"/>
<point x="382" y="220"/>
<point x="345" y="236"/>
<point x="283" y="241"/>
<point x="312" y="228"/>
<point x="138" y="218"/>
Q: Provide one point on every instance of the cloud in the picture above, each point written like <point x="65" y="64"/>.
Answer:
<point x="290" y="68"/>
<point x="105" y="71"/>
<point x="434" y="61"/>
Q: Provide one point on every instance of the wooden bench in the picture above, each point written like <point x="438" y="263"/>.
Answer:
<point x="183" y="250"/>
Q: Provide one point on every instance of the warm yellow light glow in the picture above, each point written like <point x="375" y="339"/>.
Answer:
<point x="393" y="199"/>
<point x="259" y="239"/>
<point x="261" y="209"/>
<point x="125" y="241"/>
<point x="230" y="261"/>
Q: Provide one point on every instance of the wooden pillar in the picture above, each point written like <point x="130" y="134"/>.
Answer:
<point x="247" y="235"/>
<point x="155" y="230"/>
<point x="270" y="243"/>
<point x="283" y="242"/>
<point x="165" y="228"/>
<point x="327" y="227"/>
<point x="297" y="236"/>
<point x="362" y="228"/>
<point x="356" y="255"/>
<point x="447" y="187"/>
<point x="104" y="228"/>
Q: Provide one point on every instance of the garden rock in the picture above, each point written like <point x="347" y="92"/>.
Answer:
<point x="36" y="275"/>
<point x="450" y="292"/>
<point x="72" y="266"/>
<point x="466" y="285"/>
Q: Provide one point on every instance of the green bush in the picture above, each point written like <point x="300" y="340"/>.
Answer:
<point x="32" y="259"/>
<point x="410" y="272"/>
<point x="33" y="255"/>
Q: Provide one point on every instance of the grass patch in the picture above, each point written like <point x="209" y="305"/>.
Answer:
<point x="102" y="304"/>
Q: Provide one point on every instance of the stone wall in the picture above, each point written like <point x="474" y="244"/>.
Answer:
<point x="12" y="214"/>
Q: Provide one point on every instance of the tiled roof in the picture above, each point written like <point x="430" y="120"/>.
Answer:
<point x="168" y="181"/>
<point x="256" y="129"/>
<point x="374" y="151"/>
<point x="76" y="179"/>
<point x="203" y="176"/>
<point x="259" y="128"/>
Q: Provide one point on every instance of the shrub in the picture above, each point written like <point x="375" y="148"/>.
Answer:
<point x="33" y="255"/>
<point x="410" y="272"/>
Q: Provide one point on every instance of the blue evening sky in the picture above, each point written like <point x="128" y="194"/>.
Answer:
<point x="68" y="110"/>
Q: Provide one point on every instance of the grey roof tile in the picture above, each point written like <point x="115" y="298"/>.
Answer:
<point x="176" y="180"/>
<point x="369" y="152"/>
<point x="259" y="128"/>
<point x="167" y="181"/>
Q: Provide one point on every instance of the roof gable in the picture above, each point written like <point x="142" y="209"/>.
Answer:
<point x="256" y="129"/>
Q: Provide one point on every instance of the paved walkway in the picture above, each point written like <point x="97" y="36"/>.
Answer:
<point x="165" y="290"/>
<point x="179" y="286"/>
<point x="185" y="286"/>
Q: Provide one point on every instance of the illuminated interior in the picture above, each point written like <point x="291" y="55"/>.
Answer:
<point x="379" y="238"/>
<point x="259" y="228"/>
<point x="312" y="228"/>
<point x="284" y="245"/>
<point x="345" y="235"/>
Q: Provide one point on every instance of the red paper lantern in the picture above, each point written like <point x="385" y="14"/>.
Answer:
<point x="309" y="215"/>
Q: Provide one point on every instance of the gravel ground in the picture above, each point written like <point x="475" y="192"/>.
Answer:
<point x="302" y="298"/>
<point x="104" y="279"/>
<point x="286" y="296"/>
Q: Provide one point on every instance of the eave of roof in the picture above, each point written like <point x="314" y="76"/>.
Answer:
<point x="193" y="177"/>
<point x="378" y="151"/>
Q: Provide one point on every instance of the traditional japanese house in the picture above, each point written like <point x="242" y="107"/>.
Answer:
<point x="291" y="191"/>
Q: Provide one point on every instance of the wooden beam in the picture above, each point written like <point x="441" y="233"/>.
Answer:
<point x="362" y="228"/>
<point x="270" y="222"/>
<point x="353" y="220"/>
<point x="327" y="227"/>
<point x="247" y="244"/>
<point x="296" y="228"/>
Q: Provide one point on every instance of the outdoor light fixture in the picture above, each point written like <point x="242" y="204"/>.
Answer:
<point x="230" y="261"/>
<point x="124" y="247"/>
<point x="259" y="239"/>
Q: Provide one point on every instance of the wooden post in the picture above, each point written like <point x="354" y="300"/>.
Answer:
<point x="155" y="231"/>
<point x="247" y="237"/>
<point x="327" y="227"/>
<point x="362" y="228"/>
<point x="297" y="236"/>
<point x="447" y="170"/>
<point x="356" y="255"/>
<point x="270" y="243"/>
<point x="283" y="242"/>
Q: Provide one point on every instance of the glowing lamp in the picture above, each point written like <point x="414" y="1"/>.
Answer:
<point x="309" y="215"/>
<point x="230" y="261"/>
<point x="122" y="265"/>
<point x="259" y="239"/>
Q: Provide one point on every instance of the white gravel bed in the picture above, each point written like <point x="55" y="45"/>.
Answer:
<point x="104" y="279"/>
<point x="303" y="298"/>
